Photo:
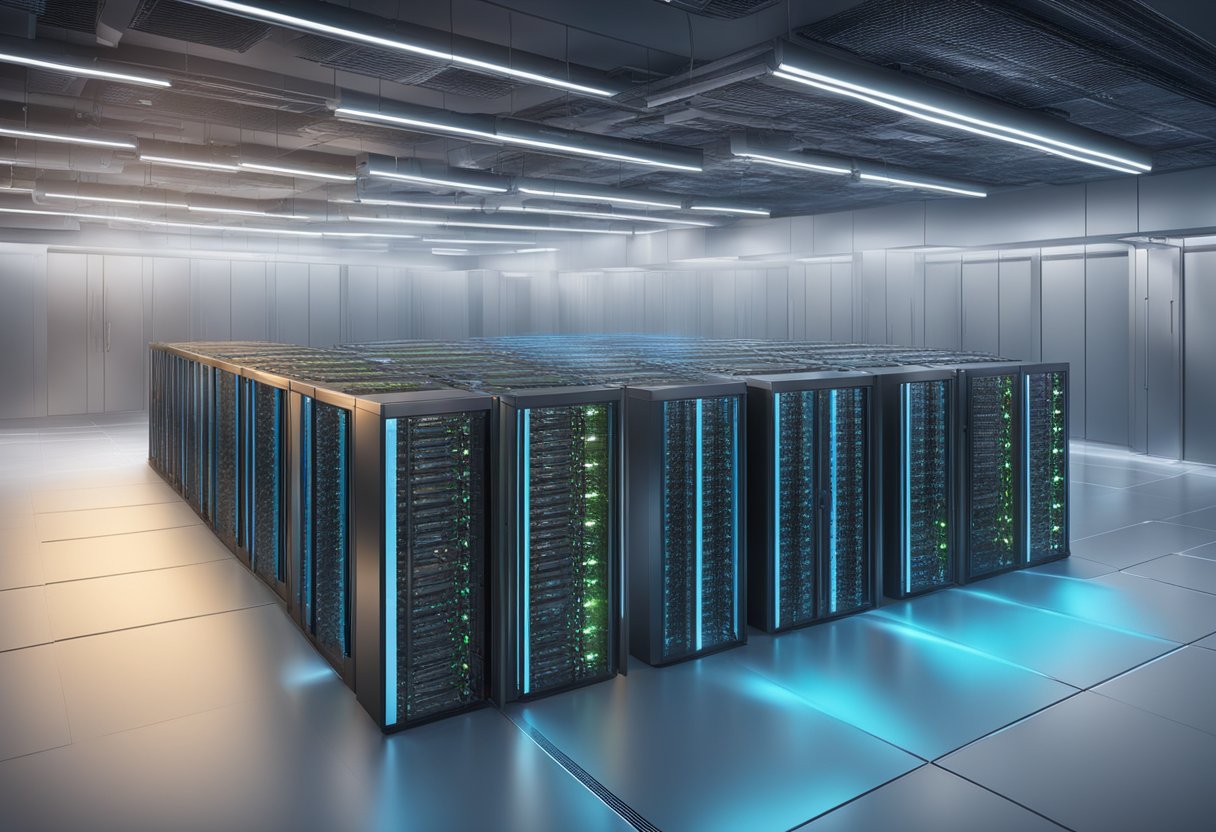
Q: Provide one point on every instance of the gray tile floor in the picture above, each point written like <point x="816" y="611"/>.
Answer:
<point x="148" y="682"/>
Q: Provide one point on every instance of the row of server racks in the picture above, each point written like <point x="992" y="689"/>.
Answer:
<point x="456" y="523"/>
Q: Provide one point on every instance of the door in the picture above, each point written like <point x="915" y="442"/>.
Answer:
<point x="981" y="320"/>
<point x="1163" y="413"/>
<point x="124" y="345"/>
<point x="1200" y="356"/>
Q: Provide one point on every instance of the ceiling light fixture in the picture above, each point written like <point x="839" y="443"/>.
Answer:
<point x="117" y="200"/>
<point x="865" y="171"/>
<point x="725" y="209"/>
<point x="401" y="203"/>
<point x="497" y="226"/>
<point x="601" y="215"/>
<point x="119" y="144"/>
<point x="478" y="242"/>
<point x="515" y="132"/>
<point x="302" y="172"/>
<point x="245" y="212"/>
<point x="533" y="250"/>
<point x="162" y="223"/>
<point x="895" y="92"/>
<point x="96" y="71"/>
<point x="346" y="33"/>
<point x="450" y="252"/>
<point x="415" y="171"/>
<point x="187" y="163"/>
<point x="571" y="191"/>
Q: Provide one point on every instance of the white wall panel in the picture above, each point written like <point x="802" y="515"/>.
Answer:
<point x="324" y="305"/>
<point x="291" y="303"/>
<point x="1063" y="317"/>
<point x="842" y="302"/>
<point x="124" y="345"/>
<point x="362" y="287"/>
<point x="170" y="299"/>
<point x="19" y="284"/>
<point x="981" y="318"/>
<point x="1015" y="309"/>
<point x="818" y="279"/>
<point x="901" y="271"/>
<point x="943" y="313"/>
<point x="69" y="333"/>
<point x="1108" y="349"/>
<point x="211" y="292"/>
<point x="874" y="297"/>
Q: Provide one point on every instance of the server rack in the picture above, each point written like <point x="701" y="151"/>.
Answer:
<point x="685" y="488"/>
<point x="990" y="468"/>
<point x="810" y="496"/>
<point x="917" y="478"/>
<point x="558" y="570"/>
<point x="266" y="441"/>
<point x="1045" y="440"/>
<point x="421" y="557"/>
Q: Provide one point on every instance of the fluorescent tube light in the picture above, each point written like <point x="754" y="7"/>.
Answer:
<point x="498" y="226"/>
<point x="162" y="223"/>
<point x="374" y="234"/>
<point x="532" y="190"/>
<point x="722" y="209"/>
<point x="116" y="200"/>
<point x="380" y="173"/>
<point x="344" y="33"/>
<point x="244" y="212"/>
<point x="521" y="133"/>
<point x="61" y="137"/>
<point x="77" y="69"/>
<point x="533" y="250"/>
<point x="302" y="172"/>
<point x="909" y="183"/>
<point x="187" y="163"/>
<point x="530" y="209"/>
<point x="450" y="252"/>
<point x="786" y="162"/>
<point x="401" y="203"/>
<point x="891" y="91"/>
<point x="478" y="242"/>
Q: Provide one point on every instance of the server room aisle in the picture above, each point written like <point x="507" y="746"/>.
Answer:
<point x="149" y="682"/>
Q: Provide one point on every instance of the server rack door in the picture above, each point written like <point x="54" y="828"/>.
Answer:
<point x="993" y="473"/>
<point x="267" y="416"/>
<point x="566" y="509"/>
<point x="923" y="556"/>
<point x="435" y="559"/>
<point x="844" y="551"/>
<point x="700" y="526"/>
<point x="228" y="467"/>
<point x="1045" y="451"/>
<point x="326" y="528"/>
<point x="796" y="517"/>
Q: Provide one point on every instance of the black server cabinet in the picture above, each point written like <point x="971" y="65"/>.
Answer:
<point x="225" y="447"/>
<point x="918" y="482"/>
<point x="266" y="445"/>
<point x="321" y="542"/>
<point x="811" y="531"/>
<point x="991" y="468"/>
<point x="685" y="519"/>
<point x="421" y="555"/>
<point x="558" y="569"/>
<point x="1045" y="443"/>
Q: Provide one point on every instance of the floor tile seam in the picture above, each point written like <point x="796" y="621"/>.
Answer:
<point x="1169" y="521"/>
<point x="1150" y="712"/>
<point x="63" y="696"/>
<point x="819" y="710"/>
<point x="1075" y="693"/>
<point x="531" y="732"/>
<point x="1088" y="484"/>
<point x="1162" y="580"/>
<point x="174" y="499"/>
<point x="90" y="738"/>
<point x="990" y="790"/>
<point x="806" y="823"/>
<point x="1141" y="523"/>
<point x="197" y="522"/>
<point x="158" y="623"/>
<point x="224" y="555"/>
<point x="1138" y="666"/>
<point x="6" y="760"/>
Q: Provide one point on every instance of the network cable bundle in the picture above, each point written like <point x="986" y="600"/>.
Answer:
<point x="498" y="519"/>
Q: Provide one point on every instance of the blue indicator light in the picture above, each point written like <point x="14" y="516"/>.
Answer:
<point x="776" y="510"/>
<point x="698" y="591"/>
<point x="832" y="499"/>
<point x="390" y="571"/>
<point x="905" y="395"/>
<point x="1026" y="466"/>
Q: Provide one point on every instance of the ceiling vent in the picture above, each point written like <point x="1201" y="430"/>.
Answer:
<point x="728" y="9"/>
<point x="194" y="24"/>
<point x="77" y="15"/>
<point x="460" y="82"/>
<point x="378" y="63"/>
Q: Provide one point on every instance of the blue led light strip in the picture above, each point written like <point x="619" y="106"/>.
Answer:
<point x="1026" y="467"/>
<point x="390" y="572"/>
<point x="699" y="591"/>
<point x="832" y="604"/>
<point x="734" y="523"/>
<point x="526" y="546"/>
<point x="776" y="510"/>
<point x="905" y="396"/>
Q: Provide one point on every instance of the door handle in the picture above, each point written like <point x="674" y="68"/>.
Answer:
<point x="108" y="325"/>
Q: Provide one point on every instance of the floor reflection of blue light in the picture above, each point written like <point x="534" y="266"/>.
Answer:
<point x="304" y="675"/>
<point x="1099" y="599"/>
<point x="912" y="631"/>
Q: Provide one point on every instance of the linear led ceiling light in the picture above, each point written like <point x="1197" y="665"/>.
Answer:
<point x="602" y="215"/>
<point x="497" y="226"/>
<point x="593" y="193"/>
<point x="444" y="241"/>
<point x="865" y="171"/>
<point x="9" y="55"/>
<point x="16" y="133"/>
<point x="343" y="24"/>
<point x="533" y="250"/>
<point x="720" y="208"/>
<point x="515" y="132"/>
<point x="308" y="173"/>
<point x="898" y="93"/>
<point x="415" y="171"/>
<point x="162" y="223"/>
<point x="172" y="161"/>
<point x="151" y="203"/>
<point x="405" y="203"/>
